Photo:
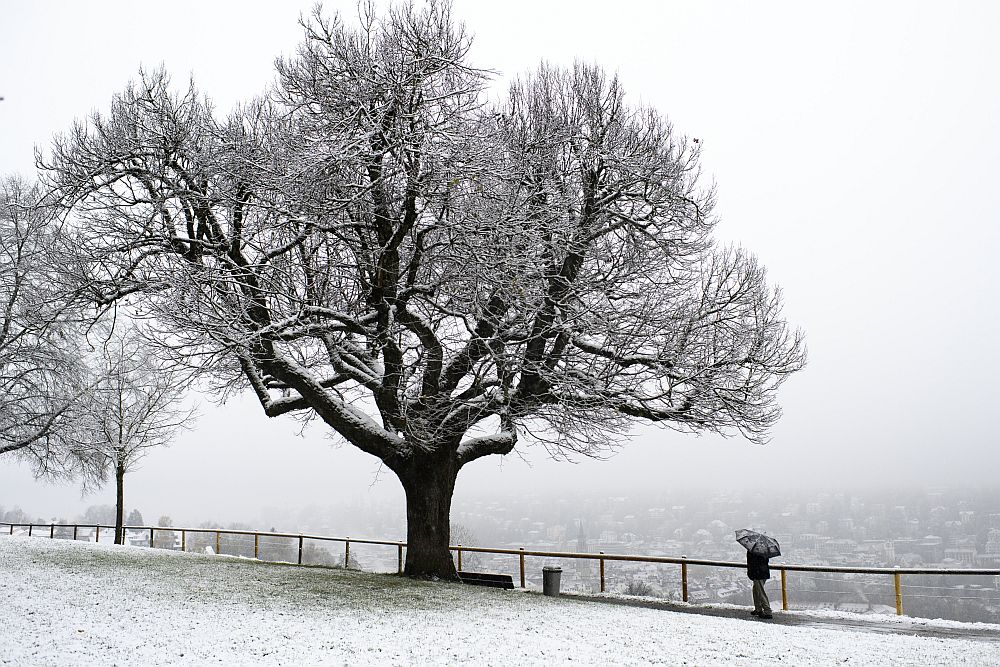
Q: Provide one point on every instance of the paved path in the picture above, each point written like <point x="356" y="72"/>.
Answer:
<point x="908" y="626"/>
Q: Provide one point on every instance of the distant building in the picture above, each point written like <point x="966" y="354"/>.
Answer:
<point x="931" y="548"/>
<point x="965" y="556"/>
<point x="993" y="541"/>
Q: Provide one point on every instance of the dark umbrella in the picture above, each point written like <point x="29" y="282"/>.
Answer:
<point x="758" y="543"/>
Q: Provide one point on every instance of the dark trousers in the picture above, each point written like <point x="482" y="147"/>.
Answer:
<point x="760" y="602"/>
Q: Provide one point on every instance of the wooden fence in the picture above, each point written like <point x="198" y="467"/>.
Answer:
<point x="601" y="557"/>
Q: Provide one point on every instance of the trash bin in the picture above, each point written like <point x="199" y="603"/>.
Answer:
<point x="550" y="580"/>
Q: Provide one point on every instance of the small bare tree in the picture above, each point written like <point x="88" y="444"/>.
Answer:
<point x="429" y="275"/>
<point x="136" y="405"/>
<point x="42" y="377"/>
<point x="463" y="535"/>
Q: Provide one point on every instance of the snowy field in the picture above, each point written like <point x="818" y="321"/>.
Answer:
<point x="67" y="603"/>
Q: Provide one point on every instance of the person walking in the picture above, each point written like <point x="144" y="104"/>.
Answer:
<point x="760" y="548"/>
<point x="759" y="572"/>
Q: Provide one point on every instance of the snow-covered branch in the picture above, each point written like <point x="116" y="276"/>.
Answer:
<point x="496" y="443"/>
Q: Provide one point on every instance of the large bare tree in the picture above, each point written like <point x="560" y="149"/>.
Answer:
<point x="432" y="276"/>
<point x="42" y="375"/>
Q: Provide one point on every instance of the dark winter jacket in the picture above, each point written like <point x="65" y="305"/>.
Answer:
<point x="757" y="567"/>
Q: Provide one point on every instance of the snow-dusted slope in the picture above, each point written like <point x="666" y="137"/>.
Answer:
<point x="68" y="603"/>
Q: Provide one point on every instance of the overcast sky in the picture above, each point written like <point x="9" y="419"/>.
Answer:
<point x="856" y="150"/>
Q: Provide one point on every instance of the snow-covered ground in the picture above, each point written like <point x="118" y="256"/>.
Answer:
<point x="67" y="603"/>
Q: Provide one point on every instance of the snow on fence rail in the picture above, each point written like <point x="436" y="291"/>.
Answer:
<point x="601" y="557"/>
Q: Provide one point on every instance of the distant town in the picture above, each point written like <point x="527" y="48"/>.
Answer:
<point x="939" y="529"/>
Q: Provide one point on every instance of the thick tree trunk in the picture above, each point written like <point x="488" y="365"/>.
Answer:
<point x="120" y="505"/>
<point x="429" y="484"/>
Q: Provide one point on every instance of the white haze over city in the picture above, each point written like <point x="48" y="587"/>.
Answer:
<point x="854" y="147"/>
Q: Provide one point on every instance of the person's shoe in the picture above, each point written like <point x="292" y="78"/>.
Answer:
<point x="765" y="616"/>
<point x="755" y="613"/>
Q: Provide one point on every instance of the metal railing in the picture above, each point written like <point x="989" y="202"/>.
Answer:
<point x="601" y="557"/>
<point x="218" y="532"/>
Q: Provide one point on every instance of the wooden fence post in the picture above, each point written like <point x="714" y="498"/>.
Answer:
<point x="218" y="544"/>
<point x="521" y="555"/>
<point x="151" y="540"/>
<point x="459" y="557"/>
<point x="684" y="580"/>
<point x="11" y="529"/>
<point x="184" y="535"/>
<point x="52" y="531"/>
<point x="602" y="572"/>
<point x="30" y="526"/>
<point x="784" y="590"/>
<point x="899" y="594"/>
<point x="300" y="550"/>
<point x="97" y="534"/>
<point x="74" y="532"/>
<point x="256" y="546"/>
<point x="400" y="554"/>
<point x="347" y="553"/>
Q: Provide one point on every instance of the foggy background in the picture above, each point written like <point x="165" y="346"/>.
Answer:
<point x="855" y="148"/>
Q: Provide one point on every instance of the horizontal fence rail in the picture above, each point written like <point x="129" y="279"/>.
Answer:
<point x="601" y="557"/>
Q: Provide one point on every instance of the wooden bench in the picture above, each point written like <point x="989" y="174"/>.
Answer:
<point x="487" y="579"/>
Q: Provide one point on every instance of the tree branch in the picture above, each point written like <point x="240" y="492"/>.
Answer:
<point x="497" y="443"/>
